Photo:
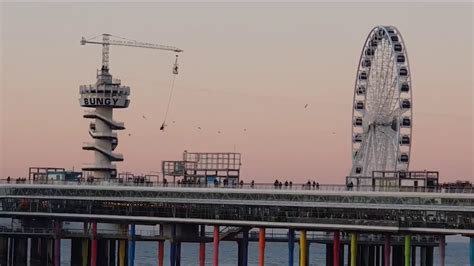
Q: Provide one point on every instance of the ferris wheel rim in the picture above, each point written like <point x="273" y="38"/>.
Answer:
<point x="386" y="36"/>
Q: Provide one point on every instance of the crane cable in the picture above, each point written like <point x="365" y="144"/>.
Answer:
<point x="175" y="73"/>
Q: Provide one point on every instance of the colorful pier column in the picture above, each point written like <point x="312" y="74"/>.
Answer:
<point x="121" y="253"/>
<point x="291" y="246"/>
<point x="336" y="248"/>
<point x="261" y="247"/>
<point x="131" y="246"/>
<point x="408" y="250"/>
<point x="161" y="252"/>
<point x="471" y="251"/>
<point x="353" y="249"/>
<point x="202" y="246"/>
<point x="94" y="245"/>
<point x="442" y="249"/>
<point x="216" y="246"/>
<point x="57" y="243"/>
<point x="245" y="246"/>
<point x="173" y="246"/>
<point x="303" y="246"/>
<point x="386" y="250"/>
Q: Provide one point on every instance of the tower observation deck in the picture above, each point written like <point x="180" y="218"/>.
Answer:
<point x="105" y="95"/>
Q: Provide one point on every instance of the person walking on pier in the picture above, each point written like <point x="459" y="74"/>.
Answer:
<point x="252" y="184"/>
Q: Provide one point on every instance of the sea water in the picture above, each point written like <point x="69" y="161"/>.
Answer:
<point x="457" y="254"/>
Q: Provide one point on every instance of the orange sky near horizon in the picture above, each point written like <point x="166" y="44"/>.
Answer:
<point x="245" y="66"/>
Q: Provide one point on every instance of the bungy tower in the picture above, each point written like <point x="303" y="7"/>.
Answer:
<point x="104" y="96"/>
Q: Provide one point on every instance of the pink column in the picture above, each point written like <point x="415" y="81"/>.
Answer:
<point x="216" y="246"/>
<point x="336" y="245"/>
<point x="94" y="245"/>
<point x="386" y="249"/>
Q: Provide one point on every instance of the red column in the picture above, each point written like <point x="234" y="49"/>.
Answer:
<point x="94" y="245"/>
<point x="261" y="247"/>
<point x="336" y="245"/>
<point x="202" y="253"/>
<point x="161" y="252"/>
<point x="216" y="246"/>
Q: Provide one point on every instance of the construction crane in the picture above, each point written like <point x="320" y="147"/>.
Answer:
<point x="108" y="39"/>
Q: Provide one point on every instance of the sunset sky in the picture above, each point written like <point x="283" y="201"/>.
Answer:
<point x="245" y="66"/>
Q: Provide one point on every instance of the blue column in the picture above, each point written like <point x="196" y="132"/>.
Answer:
<point x="131" y="246"/>
<point x="245" y="246"/>
<point x="173" y="246"/>
<point x="291" y="246"/>
<point x="471" y="251"/>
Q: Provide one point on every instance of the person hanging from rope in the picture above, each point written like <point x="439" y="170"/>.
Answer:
<point x="175" y="72"/>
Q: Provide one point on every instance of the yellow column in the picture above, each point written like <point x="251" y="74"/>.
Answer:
<point x="353" y="249"/>
<point x="121" y="252"/>
<point x="85" y="251"/>
<point x="303" y="248"/>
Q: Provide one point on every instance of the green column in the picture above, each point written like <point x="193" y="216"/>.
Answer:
<point x="408" y="250"/>
<point x="353" y="249"/>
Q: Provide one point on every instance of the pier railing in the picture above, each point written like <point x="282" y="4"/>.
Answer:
<point x="266" y="186"/>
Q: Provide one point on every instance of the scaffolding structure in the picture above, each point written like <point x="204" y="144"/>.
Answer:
<point x="204" y="168"/>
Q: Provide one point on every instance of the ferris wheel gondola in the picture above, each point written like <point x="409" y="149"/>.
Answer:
<point x="382" y="105"/>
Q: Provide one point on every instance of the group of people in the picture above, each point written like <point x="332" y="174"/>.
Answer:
<point x="18" y="180"/>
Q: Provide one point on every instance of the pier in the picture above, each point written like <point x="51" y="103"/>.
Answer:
<point x="359" y="226"/>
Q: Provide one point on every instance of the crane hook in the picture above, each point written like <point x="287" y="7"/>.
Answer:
<point x="175" y="66"/>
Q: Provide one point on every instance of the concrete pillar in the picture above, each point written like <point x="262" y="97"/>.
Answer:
<point x="397" y="257"/>
<point x="407" y="250"/>
<point x="112" y="251"/>
<point x="173" y="245"/>
<point x="371" y="249"/>
<point x="377" y="255"/>
<point x="216" y="246"/>
<point x="131" y="245"/>
<point x="245" y="246"/>
<point x="178" y="253"/>
<point x="103" y="252"/>
<point x="413" y="255"/>
<point x="336" y="249"/>
<point x="353" y="249"/>
<point x="20" y="251"/>
<point x="76" y="252"/>
<point x="471" y="250"/>
<point x="57" y="242"/>
<point x="429" y="256"/>
<point x="94" y="245"/>
<point x="261" y="247"/>
<point x="202" y="246"/>
<point x="303" y="246"/>
<point x="291" y="246"/>
<point x="386" y="250"/>
<point x="330" y="254"/>
<point x="3" y="250"/>
<point x="442" y="250"/>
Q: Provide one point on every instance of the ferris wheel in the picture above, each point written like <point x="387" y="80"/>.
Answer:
<point x="382" y="113"/>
